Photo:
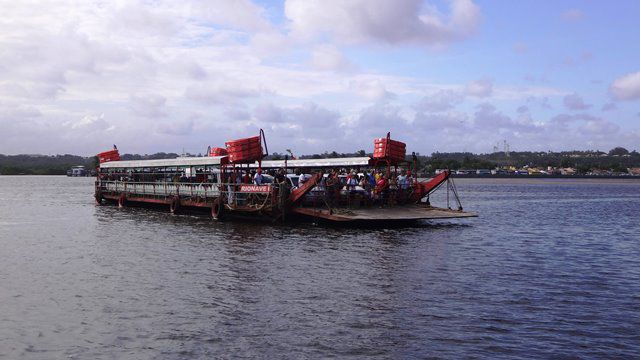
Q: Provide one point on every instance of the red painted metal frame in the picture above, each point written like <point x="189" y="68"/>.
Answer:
<point x="298" y="193"/>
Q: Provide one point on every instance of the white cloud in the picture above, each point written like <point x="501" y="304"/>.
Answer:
<point x="447" y="121"/>
<point x="488" y="118"/>
<point x="179" y="128"/>
<point x="440" y="101"/>
<point x="599" y="127"/>
<point x="237" y="14"/>
<point x="575" y="102"/>
<point x="163" y="75"/>
<point x="298" y="126"/>
<point x="91" y="123"/>
<point x="150" y="106"/>
<point x="480" y="88"/>
<point x="541" y="102"/>
<point x="268" y="114"/>
<point x="222" y="94"/>
<point x="237" y="113"/>
<point x="371" y="90"/>
<point x="377" y="119"/>
<point x="384" y="21"/>
<point x="626" y="87"/>
<point x="328" y="57"/>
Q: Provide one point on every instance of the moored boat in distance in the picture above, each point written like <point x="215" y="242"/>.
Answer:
<point x="236" y="182"/>
<point x="78" y="170"/>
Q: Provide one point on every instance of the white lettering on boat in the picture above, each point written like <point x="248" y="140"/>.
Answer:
<point x="254" y="188"/>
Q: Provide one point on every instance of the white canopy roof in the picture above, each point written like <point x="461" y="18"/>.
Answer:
<point x="181" y="161"/>
<point x="216" y="160"/>
<point x="314" y="163"/>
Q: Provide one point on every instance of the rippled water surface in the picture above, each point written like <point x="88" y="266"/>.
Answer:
<point x="551" y="268"/>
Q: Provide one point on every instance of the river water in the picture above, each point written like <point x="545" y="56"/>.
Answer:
<point x="551" y="268"/>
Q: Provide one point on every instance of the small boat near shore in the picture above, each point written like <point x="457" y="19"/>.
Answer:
<point x="77" y="171"/>
<point x="235" y="181"/>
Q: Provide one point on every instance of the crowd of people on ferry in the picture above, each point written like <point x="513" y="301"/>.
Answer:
<point x="339" y="186"/>
<point x="369" y="187"/>
<point x="336" y="187"/>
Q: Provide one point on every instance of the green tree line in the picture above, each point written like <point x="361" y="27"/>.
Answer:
<point x="617" y="159"/>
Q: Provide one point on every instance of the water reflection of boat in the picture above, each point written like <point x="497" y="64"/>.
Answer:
<point x="380" y="189"/>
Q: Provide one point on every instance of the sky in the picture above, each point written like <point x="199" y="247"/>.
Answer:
<point x="318" y="75"/>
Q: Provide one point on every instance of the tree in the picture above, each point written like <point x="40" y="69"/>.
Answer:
<point x="619" y="151"/>
<point x="276" y="156"/>
<point x="583" y="169"/>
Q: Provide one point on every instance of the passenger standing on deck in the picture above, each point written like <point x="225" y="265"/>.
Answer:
<point x="352" y="182"/>
<point x="280" y="177"/>
<point x="230" y="188"/>
<point x="363" y="181"/>
<point x="368" y="183"/>
<point x="258" y="179"/>
<point x="331" y="188"/>
<point x="302" y="178"/>
<point x="381" y="189"/>
<point x="402" y="179"/>
<point x="283" y="185"/>
<point x="240" y="197"/>
<point x="393" y="190"/>
<point x="403" y="186"/>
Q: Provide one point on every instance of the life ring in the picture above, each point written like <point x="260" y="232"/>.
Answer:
<point x="122" y="200"/>
<point x="217" y="209"/>
<point x="175" y="204"/>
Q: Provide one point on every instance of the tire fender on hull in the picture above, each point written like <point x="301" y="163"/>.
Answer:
<point x="217" y="209"/>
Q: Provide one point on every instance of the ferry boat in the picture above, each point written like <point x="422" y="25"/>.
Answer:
<point x="235" y="181"/>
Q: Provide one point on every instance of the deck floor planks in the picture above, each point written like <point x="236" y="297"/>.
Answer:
<point x="408" y="212"/>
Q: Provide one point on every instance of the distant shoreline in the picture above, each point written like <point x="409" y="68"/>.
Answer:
<point x="504" y="176"/>
<point x="454" y="176"/>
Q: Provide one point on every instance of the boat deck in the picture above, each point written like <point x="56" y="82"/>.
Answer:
<point x="397" y="213"/>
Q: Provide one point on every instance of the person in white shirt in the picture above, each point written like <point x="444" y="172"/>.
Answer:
<point x="258" y="178"/>
<point x="403" y="181"/>
<point x="302" y="179"/>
